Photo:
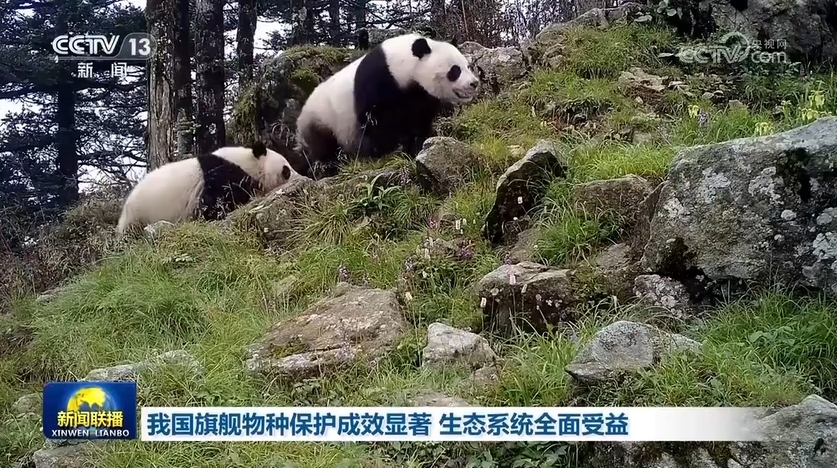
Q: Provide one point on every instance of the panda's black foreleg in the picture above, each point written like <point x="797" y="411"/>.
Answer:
<point x="415" y="140"/>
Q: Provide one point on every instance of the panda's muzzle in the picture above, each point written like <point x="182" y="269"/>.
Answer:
<point x="463" y="95"/>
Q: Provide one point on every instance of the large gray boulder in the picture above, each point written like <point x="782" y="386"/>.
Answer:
<point x="807" y="29"/>
<point x="754" y="209"/>
<point x="799" y="436"/>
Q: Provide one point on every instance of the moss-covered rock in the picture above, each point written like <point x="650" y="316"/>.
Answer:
<point x="268" y="108"/>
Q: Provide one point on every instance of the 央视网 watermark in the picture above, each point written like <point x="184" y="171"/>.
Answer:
<point x="734" y="47"/>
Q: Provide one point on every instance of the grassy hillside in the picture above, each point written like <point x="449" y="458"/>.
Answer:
<point x="212" y="293"/>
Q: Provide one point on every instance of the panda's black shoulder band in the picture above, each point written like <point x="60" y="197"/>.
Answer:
<point x="259" y="149"/>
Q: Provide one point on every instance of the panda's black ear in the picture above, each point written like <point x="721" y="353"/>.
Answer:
<point x="286" y="172"/>
<point x="259" y="149"/>
<point x="421" y="47"/>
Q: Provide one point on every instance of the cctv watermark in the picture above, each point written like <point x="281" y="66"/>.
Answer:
<point x="735" y="47"/>
<point x="91" y="47"/>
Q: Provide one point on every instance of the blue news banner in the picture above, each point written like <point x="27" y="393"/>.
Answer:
<point x="108" y="410"/>
<point x="90" y="410"/>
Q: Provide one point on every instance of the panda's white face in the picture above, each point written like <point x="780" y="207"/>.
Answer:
<point x="444" y="72"/>
<point x="274" y="170"/>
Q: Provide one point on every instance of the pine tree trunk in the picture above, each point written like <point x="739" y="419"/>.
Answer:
<point x="160" y="15"/>
<point x="67" y="140"/>
<point x="209" y="63"/>
<point x="245" y="36"/>
<point x="183" y="82"/>
<point x="334" y="22"/>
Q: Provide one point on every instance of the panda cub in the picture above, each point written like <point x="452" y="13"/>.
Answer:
<point x="206" y="187"/>
<point x="385" y="99"/>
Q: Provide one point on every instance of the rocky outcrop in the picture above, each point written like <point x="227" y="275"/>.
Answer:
<point x="496" y="67"/>
<point x="268" y="108"/>
<point x="547" y="47"/>
<point x="807" y="30"/>
<point x="753" y="209"/>
<point x="354" y="324"/>
<point x="521" y="188"/>
<point x="799" y="436"/>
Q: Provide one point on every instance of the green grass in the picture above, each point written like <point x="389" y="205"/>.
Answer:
<point x="213" y="293"/>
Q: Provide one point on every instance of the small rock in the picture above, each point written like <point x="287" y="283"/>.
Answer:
<point x="444" y="164"/>
<point x="625" y="347"/>
<point x="155" y="230"/>
<point x="736" y="104"/>
<point x="354" y="323"/>
<point x="616" y="268"/>
<point x="525" y="246"/>
<point x="522" y="186"/>
<point x="485" y="377"/>
<point x="496" y="68"/>
<point x="72" y="456"/>
<point x="527" y="295"/>
<point x="637" y="78"/>
<point x="448" y="346"/>
<point x="666" y="293"/>
<point x="129" y="372"/>
<point x="28" y="404"/>
<point x="285" y="287"/>
<point x="620" y="197"/>
<point x="643" y="138"/>
<point x="50" y="295"/>
<point x="434" y="398"/>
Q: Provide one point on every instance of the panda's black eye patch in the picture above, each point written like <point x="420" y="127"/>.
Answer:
<point x="454" y="73"/>
<point x="286" y="172"/>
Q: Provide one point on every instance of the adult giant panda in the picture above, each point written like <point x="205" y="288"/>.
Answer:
<point x="386" y="98"/>
<point x="207" y="186"/>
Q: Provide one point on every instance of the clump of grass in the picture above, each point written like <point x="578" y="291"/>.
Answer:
<point x="149" y="298"/>
<point x="504" y="118"/>
<point x="784" y="349"/>
<point x="566" y="234"/>
<point x="605" y="54"/>
<point x="722" y="124"/>
<point x="570" y="94"/>
<point x="608" y="159"/>
<point x="793" y="335"/>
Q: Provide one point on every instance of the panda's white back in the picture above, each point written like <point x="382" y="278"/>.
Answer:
<point x="332" y="104"/>
<point x="168" y="193"/>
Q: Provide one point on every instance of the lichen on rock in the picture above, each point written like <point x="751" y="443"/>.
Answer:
<point x="748" y="210"/>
